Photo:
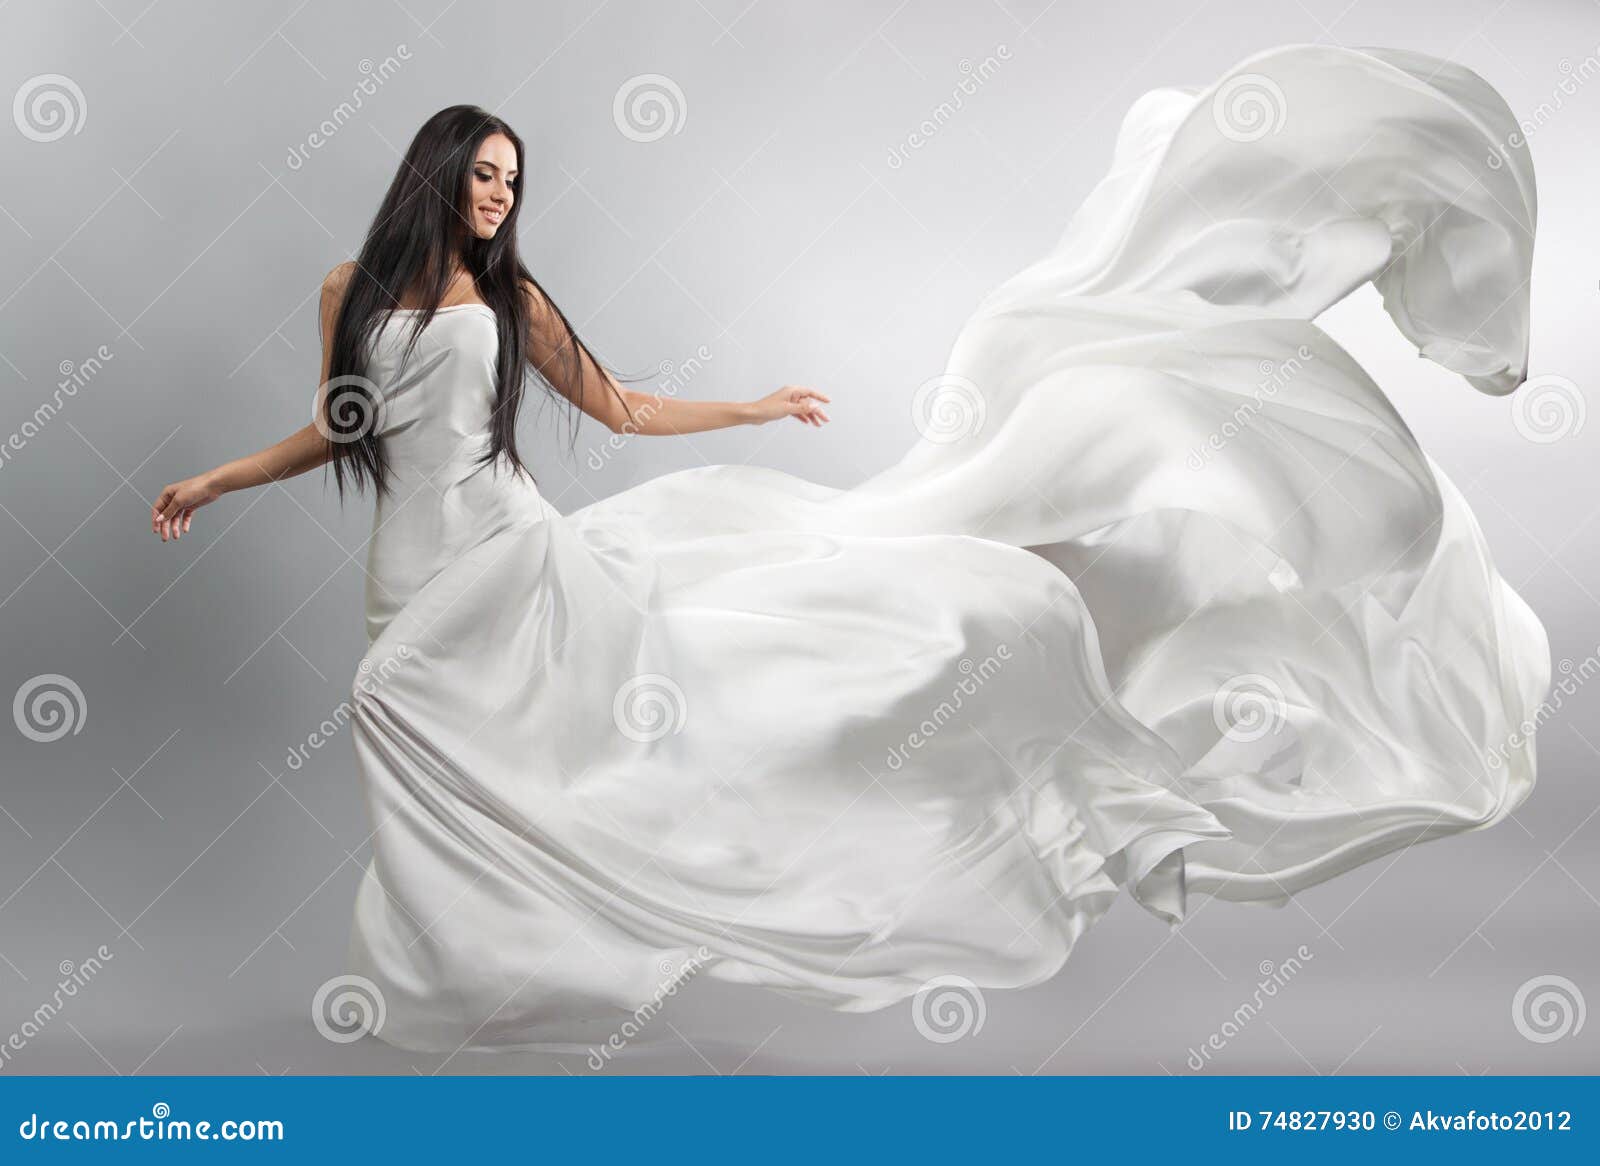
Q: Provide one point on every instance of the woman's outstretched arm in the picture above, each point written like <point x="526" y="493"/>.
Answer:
<point x="304" y="449"/>
<point x="623" y="410"/>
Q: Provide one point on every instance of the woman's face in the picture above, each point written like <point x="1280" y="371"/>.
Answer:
<point x="492" y="175"/>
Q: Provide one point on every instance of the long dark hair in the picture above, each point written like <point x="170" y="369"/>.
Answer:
<point x="410" y="249"/>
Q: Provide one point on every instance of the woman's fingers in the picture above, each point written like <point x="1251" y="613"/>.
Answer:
<point x="172" y="514"/>
<point x="167" y="514"/>
<point x="813" y="402"/>
<point x="156" y="510"/>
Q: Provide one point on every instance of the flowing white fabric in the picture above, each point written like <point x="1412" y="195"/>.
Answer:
<point x="1168" y="598"/>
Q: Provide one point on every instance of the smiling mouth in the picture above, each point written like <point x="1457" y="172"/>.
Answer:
<point x="494" y="216"/>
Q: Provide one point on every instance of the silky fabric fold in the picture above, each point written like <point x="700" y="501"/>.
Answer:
<point x="1168" y="599"/>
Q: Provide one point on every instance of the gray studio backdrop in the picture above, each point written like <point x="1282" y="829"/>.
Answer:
<point x="178" y="176"/>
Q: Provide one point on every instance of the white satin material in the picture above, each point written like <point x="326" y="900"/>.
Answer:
<point x="842" y="743"/>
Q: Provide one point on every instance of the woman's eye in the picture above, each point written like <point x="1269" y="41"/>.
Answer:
<point x="485" y="177"/>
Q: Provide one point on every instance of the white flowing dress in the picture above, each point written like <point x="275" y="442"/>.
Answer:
<point x="1167" y="598"/>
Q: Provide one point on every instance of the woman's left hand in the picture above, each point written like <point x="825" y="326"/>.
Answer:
<point x="791" y="401"/>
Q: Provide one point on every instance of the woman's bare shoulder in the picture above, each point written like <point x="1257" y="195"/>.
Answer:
<point x="339" y="278"/>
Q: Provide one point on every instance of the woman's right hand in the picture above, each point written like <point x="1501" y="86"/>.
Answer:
<point x="175" y="505"/>
<point x="795" y="401"/>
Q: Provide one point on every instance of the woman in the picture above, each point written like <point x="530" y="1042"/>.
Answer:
<point x="1166" y="599"/>
<point x="469" y="257"/>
